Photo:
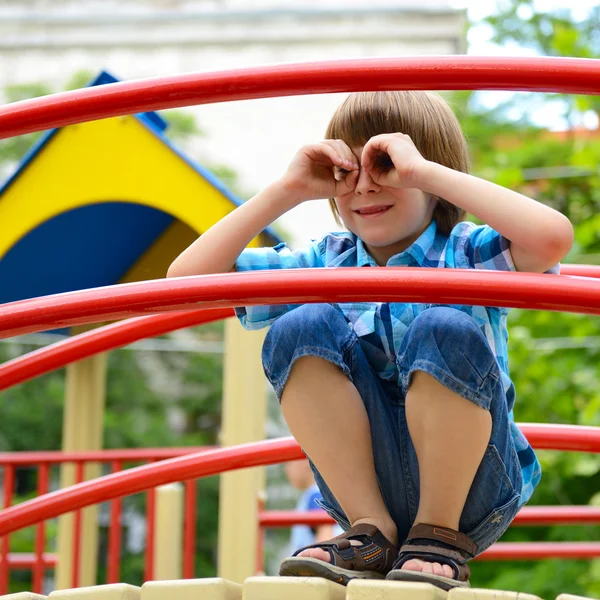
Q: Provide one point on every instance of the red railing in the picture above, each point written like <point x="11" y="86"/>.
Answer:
<point x="225" y="291"/>
<point x="117" y="460"/>
<point x="539" y="74"/>
<point x="188" y="465"/>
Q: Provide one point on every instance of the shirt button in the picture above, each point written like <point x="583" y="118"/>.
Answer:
<point x="350" y="325"/>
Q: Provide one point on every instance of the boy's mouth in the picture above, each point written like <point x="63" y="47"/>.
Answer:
<point x="370" y="212"/>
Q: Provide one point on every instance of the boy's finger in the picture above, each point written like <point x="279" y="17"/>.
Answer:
<point x="345" y="152"/>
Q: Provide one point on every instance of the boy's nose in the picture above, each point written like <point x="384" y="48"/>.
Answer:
<point x="365" y="184"/>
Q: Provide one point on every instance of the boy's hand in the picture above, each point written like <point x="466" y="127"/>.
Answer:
<point x="327" y="169"/>
<point x="392" y="160"/>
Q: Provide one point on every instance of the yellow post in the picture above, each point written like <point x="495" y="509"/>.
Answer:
<point x="169" y="532"/>
<point x="82" y="430"/>
<point x="244" y="414"/>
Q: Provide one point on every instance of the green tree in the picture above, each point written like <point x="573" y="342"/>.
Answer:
<point x="553" y="356"/>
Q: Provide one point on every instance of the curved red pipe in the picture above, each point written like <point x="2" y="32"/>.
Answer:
<point x="540" y="74"/>
<point x="212" y="462"/>
<point x="292" y="286"/>
<point x="116" y="335"/>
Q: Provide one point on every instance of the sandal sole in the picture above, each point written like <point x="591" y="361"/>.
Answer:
<point x="313" y="567"/>
<point x="445" y="583"/>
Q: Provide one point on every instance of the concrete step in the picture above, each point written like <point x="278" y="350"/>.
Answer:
<point x="278" y="588"/>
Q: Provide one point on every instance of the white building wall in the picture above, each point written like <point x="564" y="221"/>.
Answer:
<point x="49" y="40"/>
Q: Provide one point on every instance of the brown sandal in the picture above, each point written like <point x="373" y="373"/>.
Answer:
<point x="371" y="560"/>
<point x="436" y="544"/>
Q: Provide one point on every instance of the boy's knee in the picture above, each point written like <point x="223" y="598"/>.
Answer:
<point x="317" y="326"/>
<point x="313" y="330"/>
<point x="448" y="343"/>
<point x="303" y="324"/>
<point x="447" y="327"/>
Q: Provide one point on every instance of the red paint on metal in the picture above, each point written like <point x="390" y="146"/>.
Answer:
<point x="212" y="462"/>
<point x="114" y="534"/>
<point x="293" y="286"/>
<point x="76" y="562"/>
<point x="40" y="533"/>
<point x="102" y="339"/>
<point x="580" y="270"/>
<point x="541" y="74"/>
<point x="127" y="455"/>
<point x="9" y="485"/>
<point x="539" y="550"/>
<point x="529" y="515"/>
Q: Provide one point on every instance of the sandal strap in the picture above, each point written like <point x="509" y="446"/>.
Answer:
<point x="444" y="535"/>
<point x="447" y="547"/>
<point x="376" y="553"/>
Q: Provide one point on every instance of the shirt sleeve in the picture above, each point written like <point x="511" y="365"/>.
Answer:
<point x="278" y="257"/>
<point x="312" y="501"/>
<point x="485" y="248"/>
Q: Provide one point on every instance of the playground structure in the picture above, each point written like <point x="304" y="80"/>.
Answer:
<point x="195" y="300"/>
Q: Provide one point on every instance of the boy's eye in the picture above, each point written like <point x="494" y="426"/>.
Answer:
<point x="384" y="162"/>
<point x="342" y="171"/>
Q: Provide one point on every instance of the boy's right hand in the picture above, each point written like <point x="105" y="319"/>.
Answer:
<point x="327" y="169"/>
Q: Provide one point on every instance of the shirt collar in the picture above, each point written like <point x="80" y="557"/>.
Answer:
<point x="413" y="255"/>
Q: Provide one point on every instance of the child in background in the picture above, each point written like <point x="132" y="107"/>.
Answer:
<point x="299" y="474"/>
<point x="404" y="409"/>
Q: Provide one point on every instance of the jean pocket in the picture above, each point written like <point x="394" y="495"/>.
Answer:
<point x="495" y="524"/>
<point x="334" y="514"/>
<point x="493" y="500"/>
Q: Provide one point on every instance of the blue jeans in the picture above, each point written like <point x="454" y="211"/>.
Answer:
<point x="441" y="341"/>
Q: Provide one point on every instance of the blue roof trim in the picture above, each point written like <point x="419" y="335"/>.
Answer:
<point x="157" y="125"/>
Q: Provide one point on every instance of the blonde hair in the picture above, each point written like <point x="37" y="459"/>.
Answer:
<point x="425" y="117"/>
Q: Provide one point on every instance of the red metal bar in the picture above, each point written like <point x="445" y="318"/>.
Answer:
<point x="76" y="562"/>
<point x="538" y="550"/>
<point x="390" y="284"/>
<point x="150" y="522"/>
<point x="530" y="515"/>
<point x="540" y="74"/>
<point x="100" y="456"/>
<point x="9" y="485"/>
<point x="189" y="540"/>
<point x="580" y="270"/>
<point x="40" y="534"/>
<point x="222" y="460"/>
<point x="116" y="335"/>
<point x="572" y="438"/>
<point x="139" y="479"/>
<point x="114" y="534"/>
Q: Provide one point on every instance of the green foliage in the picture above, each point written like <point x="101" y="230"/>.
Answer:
<point x="556" y="382"/>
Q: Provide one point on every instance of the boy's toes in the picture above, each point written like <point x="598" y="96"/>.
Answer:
<point x="316" y="553"/>
<point x="427" y="567"/>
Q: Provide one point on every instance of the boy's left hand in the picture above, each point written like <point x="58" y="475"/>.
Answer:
<point x="392" y="160"/>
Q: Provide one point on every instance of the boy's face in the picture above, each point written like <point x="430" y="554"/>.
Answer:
<point x="402" y="215"/>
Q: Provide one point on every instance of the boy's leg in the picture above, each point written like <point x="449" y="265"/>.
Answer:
<point x="332" y="402"/>
<point x="450" y="435"/>
<point x="326" y="415"/>
<point x="457" y="418"/>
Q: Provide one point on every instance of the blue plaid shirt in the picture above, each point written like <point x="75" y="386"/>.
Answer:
<point x="381" y="326"/>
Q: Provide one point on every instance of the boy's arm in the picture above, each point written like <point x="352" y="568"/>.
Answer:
<point x="539" y="236"/>
<point x="311" y="175"/>
<point x="216" y="250"/>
